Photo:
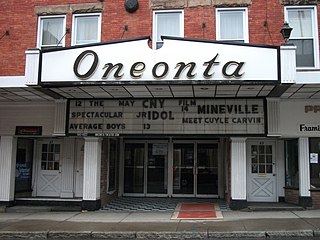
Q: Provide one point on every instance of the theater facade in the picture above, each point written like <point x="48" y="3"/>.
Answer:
<point x="194" y="118"/>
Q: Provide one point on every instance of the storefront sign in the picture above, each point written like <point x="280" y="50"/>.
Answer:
<point x="312" y="108"/>
<point x="29" y="130"/>
<point x="308" y="128"/>
<point x="166" y="116"/>
<point x="176" y="60"/>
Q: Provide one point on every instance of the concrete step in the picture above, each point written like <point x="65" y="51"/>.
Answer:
<point x="273" y="207"/>
<point x="35" y="209"/>
<point x="28" y="209"/>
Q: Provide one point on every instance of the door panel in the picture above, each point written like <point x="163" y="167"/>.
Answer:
<point x="134" y="168"/>
<point x="261" y="177"/>
<point x="157" y="168"/>
<point x="49" y="175"/>
<point x="207" y="169"/>
<point x="183" y="168"/>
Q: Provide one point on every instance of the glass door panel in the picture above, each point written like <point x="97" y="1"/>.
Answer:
<point x="157" y="168"/>
<point x="134" y="168"/>
<point x="207" y="169"/>
<point x="183" y="168"/>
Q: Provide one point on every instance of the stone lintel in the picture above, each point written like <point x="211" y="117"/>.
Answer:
<point x="70" y="8"/>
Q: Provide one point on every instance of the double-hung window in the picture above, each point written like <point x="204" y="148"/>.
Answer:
<point x="86" y="28"/>
<point x="232" y="25"/>
<point x="303" y="20"/>
<point x="51" y="31"/>
<point x="167" y="23"/>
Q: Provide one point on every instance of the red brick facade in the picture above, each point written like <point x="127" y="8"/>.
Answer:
<point x="21" y="20"/>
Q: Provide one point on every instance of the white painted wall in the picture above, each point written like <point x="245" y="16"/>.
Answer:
<point x="26" y="114"/>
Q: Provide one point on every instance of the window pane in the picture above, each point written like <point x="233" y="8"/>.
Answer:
<point x="87" y="29"/>
<point x="168" y="24"/>
<point x="304" y="52"/>
<point x="52" y="31"/>
<point x="231" y="25"/>
<point x="301" y="22"/>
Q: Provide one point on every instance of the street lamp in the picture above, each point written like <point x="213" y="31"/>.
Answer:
<point x="286" y="31"/>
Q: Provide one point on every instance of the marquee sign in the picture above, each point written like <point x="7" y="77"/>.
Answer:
<point x="178" y="59"/>
<point x="166" y="116"/>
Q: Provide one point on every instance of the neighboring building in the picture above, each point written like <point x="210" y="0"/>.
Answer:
<point x="159" y="98"/>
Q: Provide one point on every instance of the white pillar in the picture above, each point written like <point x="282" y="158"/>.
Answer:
<point x="288" y="63"/>
<point x="8" y="149"/>
<point x="67" y="181"/>
<point x="91" y="175"/>
<point x="238" y="173"/>
<point x="60" y="117"/>
<point x="304" y="168"/>
<point x="273" y="106"/>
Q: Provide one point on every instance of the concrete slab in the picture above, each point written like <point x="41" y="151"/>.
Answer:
<point x="149" y="217"/>
<point x="12" y="216"/>
<point x="237" y="215"/>
<point x="83" y="226"/>
<point x="53" y="216"/>
<point x="315" y="222"/>
<point x="308" y="213"/>
<point x="226" y="226"/>
<point x="99" y="217"/>
<point x="276" y="224"/>
<point x="146" y="226"/>
<point x="31" y="225"/>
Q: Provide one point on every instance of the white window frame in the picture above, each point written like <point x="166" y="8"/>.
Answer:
<point x="74" y="27"/>
<point x="155" y="19"/>
<point x="245" y="23"/>
<point x="40" y="29"/>
<point x="315" y="31"/>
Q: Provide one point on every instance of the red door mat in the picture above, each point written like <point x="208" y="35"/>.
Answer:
<point x="188" y="211"/>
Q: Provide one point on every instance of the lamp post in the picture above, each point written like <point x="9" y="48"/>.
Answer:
<point x="286" y="31"/>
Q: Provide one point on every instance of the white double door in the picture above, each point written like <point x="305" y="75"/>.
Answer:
<point x="261" y="177"/>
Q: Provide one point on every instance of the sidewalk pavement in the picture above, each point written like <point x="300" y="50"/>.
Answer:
<point x="159" y="225"/>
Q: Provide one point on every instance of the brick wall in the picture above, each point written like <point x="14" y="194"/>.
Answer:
<point x="315" y="199"/>
<point x="20" y="19"/>
<point x="291" y="196"/>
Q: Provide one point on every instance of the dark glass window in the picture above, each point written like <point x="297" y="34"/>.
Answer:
<point x="292" y="163"/>
<point x="314" y="148"/>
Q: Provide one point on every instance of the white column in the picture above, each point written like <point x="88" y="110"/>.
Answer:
<point x="8" y="149"/>
<point x="32" y="66"/>
<point x="67" y="168"/>
<point x="304" y="168"/>
<point x="60" y="117"/>
<point x="273" y="105"/>
<point x="288" y="63"/>
<point x="238" y="169"/>
<point x="92" y="169"/>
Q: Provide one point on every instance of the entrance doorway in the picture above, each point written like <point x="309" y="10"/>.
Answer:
<point x="195" y="169"/>
<point x="262" y="173"/>
<point x="23" y="176"/>
<point x="146" y="169"/>
<point x="178" y="169"/>
<point x="49" y="169"/>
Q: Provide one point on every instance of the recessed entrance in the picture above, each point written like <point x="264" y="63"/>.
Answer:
<point x="178" y="169"/>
